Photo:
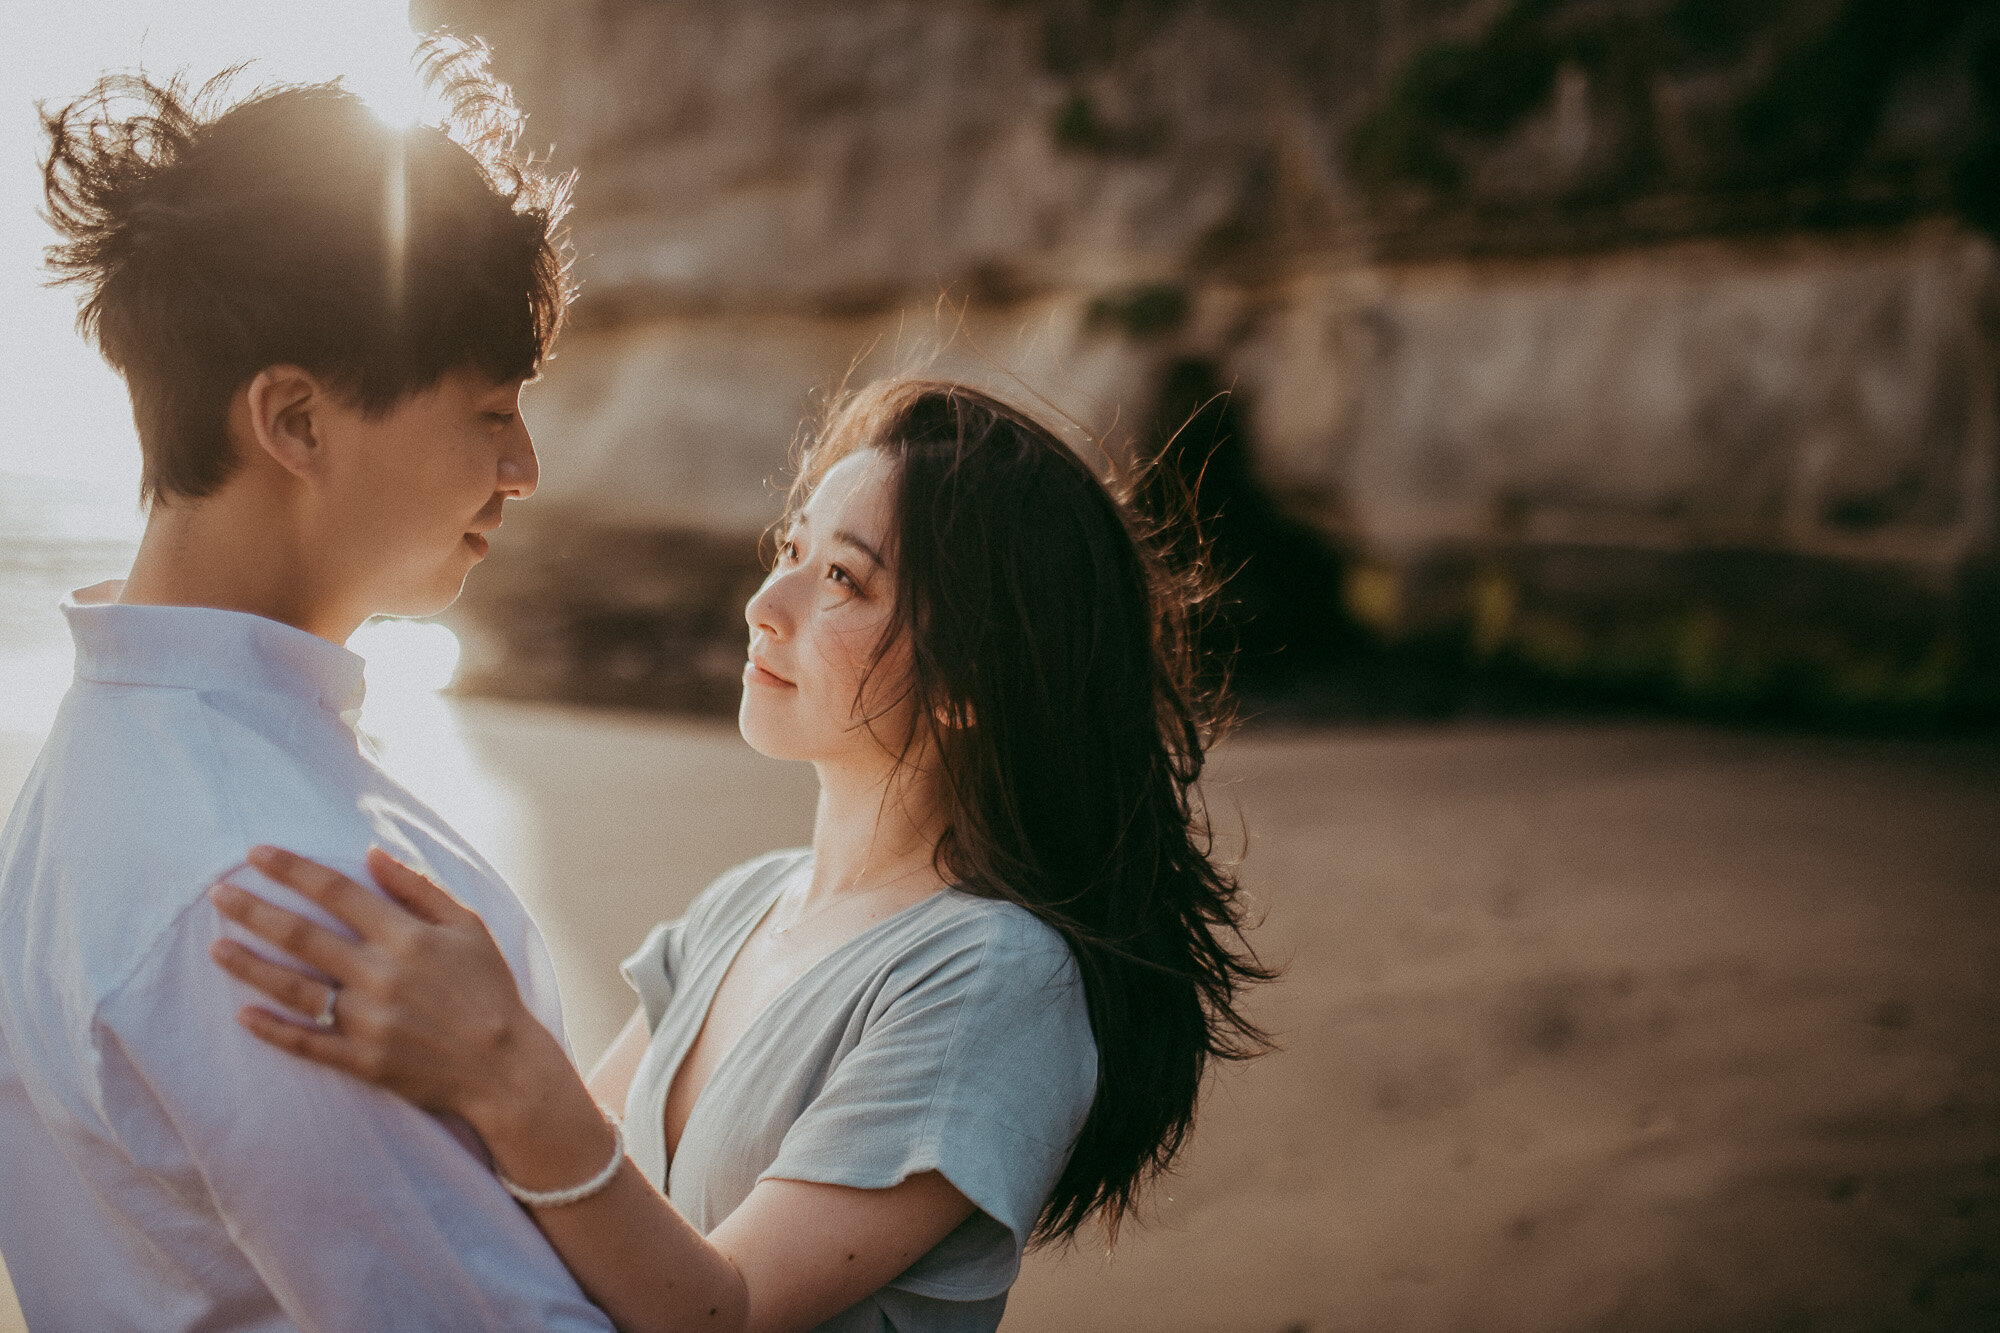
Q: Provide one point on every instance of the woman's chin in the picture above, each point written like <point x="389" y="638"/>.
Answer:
<point x="761" y="734"/>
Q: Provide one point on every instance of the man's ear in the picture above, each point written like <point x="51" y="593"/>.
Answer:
<point x="282" y="403"/>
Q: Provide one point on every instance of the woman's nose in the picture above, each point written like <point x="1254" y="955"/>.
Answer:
<point x="765" y="610"/>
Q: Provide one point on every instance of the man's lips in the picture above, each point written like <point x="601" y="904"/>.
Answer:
<point x="483" y="522"/>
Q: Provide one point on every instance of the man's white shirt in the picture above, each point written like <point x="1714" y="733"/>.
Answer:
<point x="160" y="1168"/>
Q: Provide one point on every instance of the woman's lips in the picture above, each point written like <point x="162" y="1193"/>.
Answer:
<point x="756" y="675"/>
<point x="477" y="541"/>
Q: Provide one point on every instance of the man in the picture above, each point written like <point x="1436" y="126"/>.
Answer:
<point x="324" y="325"/>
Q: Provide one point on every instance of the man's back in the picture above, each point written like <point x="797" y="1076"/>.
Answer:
<point x="164" y="1169"/>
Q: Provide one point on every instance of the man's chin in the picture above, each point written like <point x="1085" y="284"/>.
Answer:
<point x="422" y="604"/>
<point x="447" y="597"/>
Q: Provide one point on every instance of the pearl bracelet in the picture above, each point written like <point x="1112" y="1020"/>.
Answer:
<point x="575" y="1193"/>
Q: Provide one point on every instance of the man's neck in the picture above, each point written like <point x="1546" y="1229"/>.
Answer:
<point x="207" y="553"/>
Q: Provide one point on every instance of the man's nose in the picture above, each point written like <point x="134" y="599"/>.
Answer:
<point x="520" y="469"/>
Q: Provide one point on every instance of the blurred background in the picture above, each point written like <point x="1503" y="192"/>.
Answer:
<point x="1594" y="402"/>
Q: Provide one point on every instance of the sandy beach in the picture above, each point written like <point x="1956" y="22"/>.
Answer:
<point x="1584" y="1027"/>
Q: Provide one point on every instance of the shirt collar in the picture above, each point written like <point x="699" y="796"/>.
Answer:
<point x="202" y="648"/>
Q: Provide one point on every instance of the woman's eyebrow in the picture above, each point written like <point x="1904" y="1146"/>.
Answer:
<point x="846" y="537"/>
<point x="842" y="535"/>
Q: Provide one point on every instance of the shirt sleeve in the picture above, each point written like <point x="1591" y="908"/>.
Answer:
<point x="979" y="1064"/>
<point x="357" y="1210"/>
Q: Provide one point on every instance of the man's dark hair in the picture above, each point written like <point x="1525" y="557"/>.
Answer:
<point x="211" y="240"/>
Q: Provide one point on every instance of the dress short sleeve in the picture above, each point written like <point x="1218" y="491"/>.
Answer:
<point x="659" y="966"/>
<point x="976" y="1061"/>
<point x="654" y="969"/>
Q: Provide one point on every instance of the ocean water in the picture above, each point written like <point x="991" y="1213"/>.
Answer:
<point x="56" y="534"/>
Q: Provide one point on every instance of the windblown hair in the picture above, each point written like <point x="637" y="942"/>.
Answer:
<point x="1054" y="678"/>
<point x="210" y="241"/>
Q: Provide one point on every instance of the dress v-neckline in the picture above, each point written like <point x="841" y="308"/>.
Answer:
<point x="714" y="988"/>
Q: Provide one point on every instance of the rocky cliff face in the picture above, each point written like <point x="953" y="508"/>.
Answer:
<point x="1635" y="423"/>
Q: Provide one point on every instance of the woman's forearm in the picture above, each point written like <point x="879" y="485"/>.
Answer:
<point x="629" y="1248"/>
<point x="643" y="1263"/>
<point x="430" y="1010"/>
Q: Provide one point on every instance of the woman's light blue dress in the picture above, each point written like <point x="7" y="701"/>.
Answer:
<point x="950" y="1037"/>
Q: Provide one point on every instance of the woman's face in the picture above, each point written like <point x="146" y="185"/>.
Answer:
<point x="817" y="620"/>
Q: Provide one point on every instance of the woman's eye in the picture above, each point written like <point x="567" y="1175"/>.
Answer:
<point x="842" y="577"/>
<point x="500" y="418"/>
<point x="788" y="551"/>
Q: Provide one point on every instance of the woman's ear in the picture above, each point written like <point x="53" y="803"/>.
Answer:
<point x="279" y="405"/>
<point x="953" y="717"/>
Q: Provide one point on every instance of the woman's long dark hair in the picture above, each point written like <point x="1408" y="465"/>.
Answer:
<point x="1054" y="678"/>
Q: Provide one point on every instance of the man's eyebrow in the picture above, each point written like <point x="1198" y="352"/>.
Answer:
<point x="842" y="535"/>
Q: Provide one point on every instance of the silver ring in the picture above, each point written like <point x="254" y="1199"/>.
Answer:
<point x="324" y="1019"/>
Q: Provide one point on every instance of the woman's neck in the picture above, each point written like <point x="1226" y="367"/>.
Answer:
<point x="870" y="828"/>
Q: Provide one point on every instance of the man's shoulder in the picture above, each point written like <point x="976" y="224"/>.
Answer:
<point x="134" y="809"/>
<point x="123" y="757"/>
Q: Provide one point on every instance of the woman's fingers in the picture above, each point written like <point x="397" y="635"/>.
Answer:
<point x="414" y="891"/>
<point x="428" y="1007"/>
<point x="305" y="940"/>
<point x="301" y="994"/>
<point x="366" y="912"/>
<point x="309" y="1043"/>
<point x="295" y="990"/>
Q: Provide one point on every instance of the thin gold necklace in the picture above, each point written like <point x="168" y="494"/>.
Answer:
<point x="847" y="895"/>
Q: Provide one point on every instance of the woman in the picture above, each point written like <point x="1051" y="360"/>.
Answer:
<point x="974" y="1013"/>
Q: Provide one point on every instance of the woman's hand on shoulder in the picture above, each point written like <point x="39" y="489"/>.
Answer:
<point x="425" y="1005"/>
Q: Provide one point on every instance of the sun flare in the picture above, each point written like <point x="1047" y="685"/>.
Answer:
<point x="406" y="656"/>
<point x="77" y="422"/>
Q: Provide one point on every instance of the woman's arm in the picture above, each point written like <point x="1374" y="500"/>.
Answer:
<point x="611" y="1081"/>
<point x="428" y="1009"/>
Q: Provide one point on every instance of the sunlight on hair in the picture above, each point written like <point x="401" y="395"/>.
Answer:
<point x="77" y="423"/>
<point x="396" y="207"/>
